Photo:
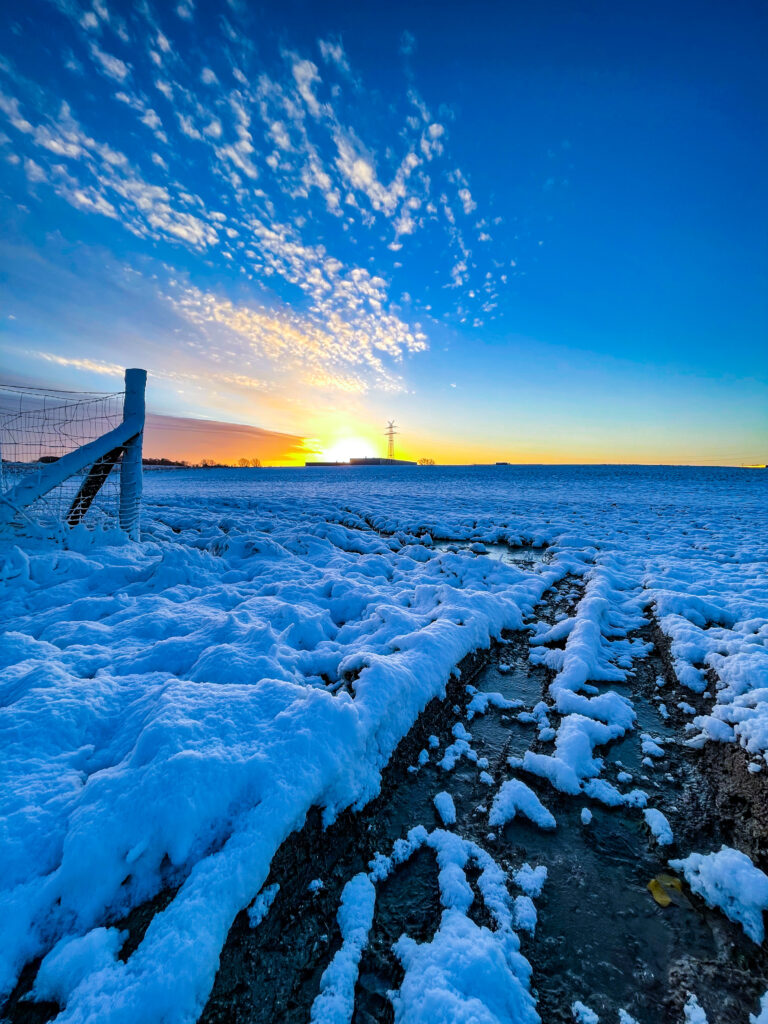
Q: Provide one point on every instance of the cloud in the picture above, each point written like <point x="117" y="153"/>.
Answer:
<point x="467" y="201"/>
<point x="89" y="365"/>
<point x="184" y="438"/>
<point x="407" y="43"/>
<point x="290" y="153"/>
<point x="332" y="52"/>
<point x="342" y="353"/>
<point x="111" y="66"/>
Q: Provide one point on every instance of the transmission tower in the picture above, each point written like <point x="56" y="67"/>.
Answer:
<point x="390" y="435"/>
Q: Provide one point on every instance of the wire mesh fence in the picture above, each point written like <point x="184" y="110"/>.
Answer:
<point x="40" y="425"/>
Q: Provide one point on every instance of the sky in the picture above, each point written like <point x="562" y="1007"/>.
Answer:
<point x="533" y="232"/>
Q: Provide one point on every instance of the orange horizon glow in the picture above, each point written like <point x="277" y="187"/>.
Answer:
<point x="192" y="440"/>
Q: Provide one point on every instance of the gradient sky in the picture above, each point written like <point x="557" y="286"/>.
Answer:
<point x="527" y="231"/>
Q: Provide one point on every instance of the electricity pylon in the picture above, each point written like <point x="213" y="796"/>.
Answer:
<point x="390" y="435"/>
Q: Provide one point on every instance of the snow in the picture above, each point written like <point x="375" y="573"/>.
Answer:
<point x="650" y="746"/>
<point x="729" y="880"/>
<point x="482" y="701"/>
<point x="336" y="1002"/>
<point x="515" y="796"/>
<point x="72" y="959"/>
<point x="659" y="826"/>
<point x="445" y="808"/>
<point x="762" y="1016"/>
<point x="466" y="973"/>
<point x="586" y="816"/>
<point x="524" y="914"/>
<point x="583" y="1014"/>
<point x="693" y="1012"/>
<point x="531" y="880"/>
<point x="259" y="909"/>
<point x="172" y="709"/>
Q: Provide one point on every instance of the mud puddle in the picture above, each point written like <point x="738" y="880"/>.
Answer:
<point x="524" y="555"/>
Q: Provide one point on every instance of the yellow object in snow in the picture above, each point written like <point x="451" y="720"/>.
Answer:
<point x="659" y="887"/>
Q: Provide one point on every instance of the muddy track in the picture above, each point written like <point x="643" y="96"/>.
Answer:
<point x="272" y="973"/>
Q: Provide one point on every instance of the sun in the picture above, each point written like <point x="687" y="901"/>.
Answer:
<point x="347" y="448"/>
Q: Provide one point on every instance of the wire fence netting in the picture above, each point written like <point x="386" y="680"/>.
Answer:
<point x="37" y="427"/>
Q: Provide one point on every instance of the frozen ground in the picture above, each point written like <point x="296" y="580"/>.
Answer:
<point x="173" y="710"/>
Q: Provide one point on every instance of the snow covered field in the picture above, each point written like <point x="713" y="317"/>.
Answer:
<point x="172" y="710"/>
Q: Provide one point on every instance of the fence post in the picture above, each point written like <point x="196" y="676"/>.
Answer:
<point x="130" y="467"/>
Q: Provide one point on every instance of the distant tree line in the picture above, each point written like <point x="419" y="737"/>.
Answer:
<point x="252" y="462"/>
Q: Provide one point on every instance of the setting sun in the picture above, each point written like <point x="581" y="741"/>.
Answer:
<point x="347" y="448"/>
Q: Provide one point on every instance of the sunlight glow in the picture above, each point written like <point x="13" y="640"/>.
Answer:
<point x="347" y="448"/>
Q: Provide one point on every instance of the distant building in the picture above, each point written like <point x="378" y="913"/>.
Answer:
<point x="364" y="462"/>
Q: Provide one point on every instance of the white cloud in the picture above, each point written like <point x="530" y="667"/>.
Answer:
<point x="151" y="119"/>
<point x="467" y="201"/>
<point x="34" y="171"/>
<point x="305" y="75"/>
<point x="111" y="66"/>
<point x="91" y="365"/>
<point x="333" y="53"/>
<point x="272" y="147"/>
<point x="407" y="43"/>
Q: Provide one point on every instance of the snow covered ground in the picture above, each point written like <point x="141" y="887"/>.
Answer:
<point x="171" y="710"/>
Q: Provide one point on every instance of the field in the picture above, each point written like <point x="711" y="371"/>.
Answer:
<point x="419" y="744"/>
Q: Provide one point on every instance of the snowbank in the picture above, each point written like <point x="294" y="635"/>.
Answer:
<point x="729" y="880"/>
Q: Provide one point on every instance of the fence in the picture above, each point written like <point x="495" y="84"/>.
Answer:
<point x="59" y="457"/>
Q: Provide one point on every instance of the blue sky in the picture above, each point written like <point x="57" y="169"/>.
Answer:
<point x="527" y="231"/>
